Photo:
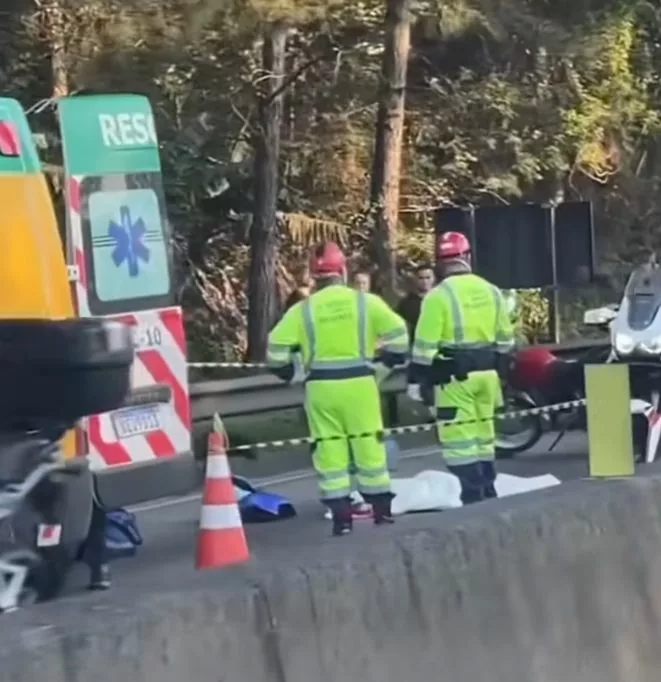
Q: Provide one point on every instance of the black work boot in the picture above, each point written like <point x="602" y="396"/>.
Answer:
<point x="342" y="516"/>
<point x="342" y="527"/>
<point x="381" y="507"/>
<point x="100" y="577"/>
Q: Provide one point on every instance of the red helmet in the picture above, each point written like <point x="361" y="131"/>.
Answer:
<point x="327" y="259"/>
<point x="532" y="368"/>
<point x="452" y="245"/>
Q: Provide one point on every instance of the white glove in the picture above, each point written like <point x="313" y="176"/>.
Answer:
<point x="299" y="369"/>
<point x="413" y="392"/>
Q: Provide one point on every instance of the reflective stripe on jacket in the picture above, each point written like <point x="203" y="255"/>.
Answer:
<point x="337" y="331"/>
<point x="462" y="312"/>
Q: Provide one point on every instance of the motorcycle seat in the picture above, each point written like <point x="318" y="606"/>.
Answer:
<point x="565" y="380"/>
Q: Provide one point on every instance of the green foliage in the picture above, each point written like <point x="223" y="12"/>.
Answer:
<point x="613" y="108"/>
<point x="540" y="100"/>
<point x="533" y="314"/>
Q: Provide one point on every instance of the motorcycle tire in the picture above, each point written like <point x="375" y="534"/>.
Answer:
<point x="47" y="576"/>
<point x="72" y="506"/>
<point x="639" y="429"/>
<point x="507" y="447"/>
<point x="18" y="556"/>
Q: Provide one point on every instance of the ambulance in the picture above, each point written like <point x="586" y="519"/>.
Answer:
<point x="111" y="257"/>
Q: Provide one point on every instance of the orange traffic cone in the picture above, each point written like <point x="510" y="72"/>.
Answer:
<point x="221" y="540"/>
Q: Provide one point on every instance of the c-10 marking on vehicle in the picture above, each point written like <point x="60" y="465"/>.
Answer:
<point x="147" y="336"/>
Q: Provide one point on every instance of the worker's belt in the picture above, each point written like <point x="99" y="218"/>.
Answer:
<point x="459" y="363"/>
<point x="334" y="373"/>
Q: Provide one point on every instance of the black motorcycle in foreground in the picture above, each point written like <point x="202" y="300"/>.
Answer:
<point x="53" y="374"/>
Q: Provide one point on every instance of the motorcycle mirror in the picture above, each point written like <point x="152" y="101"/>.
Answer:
<point x="599" y="316"/>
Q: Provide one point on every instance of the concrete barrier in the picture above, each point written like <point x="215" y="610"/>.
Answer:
<point x="562" y="586"/>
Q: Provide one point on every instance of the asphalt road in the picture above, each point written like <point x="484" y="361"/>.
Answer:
<point x="165" y="562"/>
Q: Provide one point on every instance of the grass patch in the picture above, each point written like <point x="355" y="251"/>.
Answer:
<point x="291" y="423"/>
<point x="265" y="427"/>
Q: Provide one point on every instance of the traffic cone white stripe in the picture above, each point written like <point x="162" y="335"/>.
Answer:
<point x="220" y="517"/>
<point x="218" y="466"/>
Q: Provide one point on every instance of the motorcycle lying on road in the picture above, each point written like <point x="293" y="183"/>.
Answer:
<point x="54" y="373"/>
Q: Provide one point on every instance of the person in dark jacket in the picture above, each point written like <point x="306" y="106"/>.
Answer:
<point x="409" y="307"/>
<point x="302" y="290"/>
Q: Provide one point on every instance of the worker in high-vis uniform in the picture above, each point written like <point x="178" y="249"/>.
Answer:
<point x="462" y="338"/>
<point x="337" y="331"/>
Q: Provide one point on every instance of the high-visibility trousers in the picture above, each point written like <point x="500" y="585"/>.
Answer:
<point x="336" y="410"/>
<point x="466" y="410"/>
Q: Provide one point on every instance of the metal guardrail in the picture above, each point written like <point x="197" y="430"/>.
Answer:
<point x="262" y="393"/>
<point x="258" y="394"/>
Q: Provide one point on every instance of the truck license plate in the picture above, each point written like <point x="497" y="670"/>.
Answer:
<point x="136" y="421"/>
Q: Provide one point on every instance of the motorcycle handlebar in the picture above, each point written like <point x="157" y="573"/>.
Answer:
<point x="12" y="496"/>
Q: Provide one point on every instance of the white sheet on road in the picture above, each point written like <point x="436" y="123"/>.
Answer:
<point x="433" y="490"/>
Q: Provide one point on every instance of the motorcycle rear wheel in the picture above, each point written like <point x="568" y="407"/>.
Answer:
<point x="29" y="593"/>
<point x="47" y="576"/>
<point x="518" y="434"/>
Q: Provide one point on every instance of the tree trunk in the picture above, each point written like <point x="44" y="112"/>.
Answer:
<point x="56" y="25"/>
<point x="386" y="170"/>
<point x="262" y="284"/>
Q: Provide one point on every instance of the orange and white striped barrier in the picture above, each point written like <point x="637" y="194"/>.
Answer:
<point x="221" y="540"/>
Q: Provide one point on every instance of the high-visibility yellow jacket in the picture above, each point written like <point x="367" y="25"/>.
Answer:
<point x="337" y="331"/>
<point x="462" y="312"/>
